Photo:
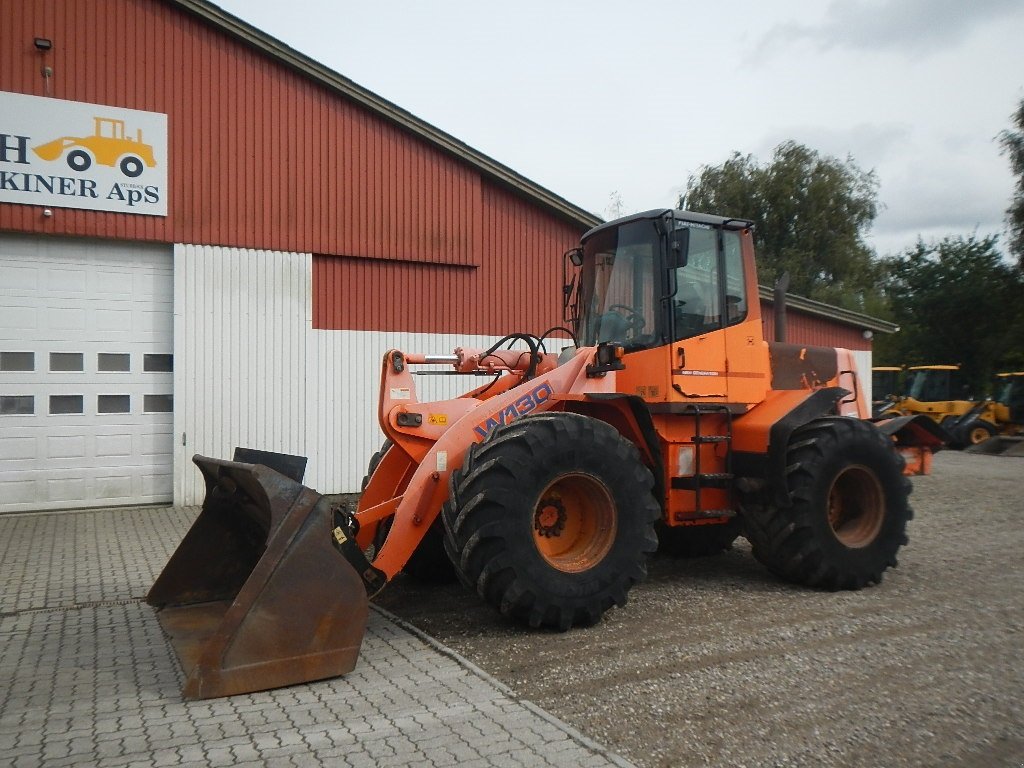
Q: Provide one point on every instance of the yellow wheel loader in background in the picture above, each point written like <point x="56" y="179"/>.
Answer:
<point x="996" y="425"/>
<point x="935" y="391"/>
<point x="886" y="382"/>
<point x="669" y="419"/>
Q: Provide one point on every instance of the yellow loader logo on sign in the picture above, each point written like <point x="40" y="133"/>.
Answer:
<point x="109" y="145"/>
<point x="75" y="154"/>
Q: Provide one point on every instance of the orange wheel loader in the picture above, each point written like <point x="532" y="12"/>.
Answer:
<point x="669" y="419"/>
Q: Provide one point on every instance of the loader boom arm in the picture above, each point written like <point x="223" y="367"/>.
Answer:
<point x="431" y="439"/>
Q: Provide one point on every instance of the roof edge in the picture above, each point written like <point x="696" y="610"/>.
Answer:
<point x="832" y="312"/>
<point x="302" y="63"/>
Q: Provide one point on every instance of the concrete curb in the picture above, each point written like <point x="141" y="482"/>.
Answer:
<point x="466" y="664"/>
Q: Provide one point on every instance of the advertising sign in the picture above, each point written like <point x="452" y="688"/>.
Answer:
<point x="71" y="154"/>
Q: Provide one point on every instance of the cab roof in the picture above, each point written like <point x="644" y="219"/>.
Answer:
<point x="657" y="213"/>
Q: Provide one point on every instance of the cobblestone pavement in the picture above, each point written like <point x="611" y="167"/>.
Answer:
<point x="86" y="676"/>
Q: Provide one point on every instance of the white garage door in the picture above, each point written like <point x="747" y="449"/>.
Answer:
<point x="86" y="400"/>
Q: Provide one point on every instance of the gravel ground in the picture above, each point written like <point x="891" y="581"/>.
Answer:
<point x="716" y="662"/>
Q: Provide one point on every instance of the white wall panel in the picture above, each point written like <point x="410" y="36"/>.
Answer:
<point x="251" y="371"/>
<point x="864" y="374"/>
<point x="343" y="394"/>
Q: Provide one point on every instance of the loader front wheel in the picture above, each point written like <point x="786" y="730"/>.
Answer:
<point x="551" y="519"/>
<point x="977" y="432"/>
<point x="847" y="514"/>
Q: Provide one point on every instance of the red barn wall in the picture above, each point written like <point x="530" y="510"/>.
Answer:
<point x="263" y="157"/>
<point x="803" y="328"/>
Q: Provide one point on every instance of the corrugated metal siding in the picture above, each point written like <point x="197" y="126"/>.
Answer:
<point x="240" y="355"/>
<point x="260" y="156"/>
<point x="802" y="328"/>
<point x="863" y="359"/>
<point x="250" y="370"/>
<point x="342" y="390"/>
<point x="516" y="287"/>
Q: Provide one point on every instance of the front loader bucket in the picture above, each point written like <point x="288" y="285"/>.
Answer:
<point x="256" y="595"/>
<point x="999" y="445"/>
<point x="916" y="438"/>
<point x="51" y="150"/>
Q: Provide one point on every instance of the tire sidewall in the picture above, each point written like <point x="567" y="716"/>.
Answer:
<point x="863" y="450"/>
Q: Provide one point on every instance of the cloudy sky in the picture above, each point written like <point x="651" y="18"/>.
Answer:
<point x="598" y="100"/>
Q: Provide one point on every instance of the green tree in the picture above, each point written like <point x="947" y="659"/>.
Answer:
<point x="811" y="213"/>
<point x="956" y="301"/>
<point x="1013" y="145"/>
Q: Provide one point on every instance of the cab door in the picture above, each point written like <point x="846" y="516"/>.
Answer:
<point x="745" y="348"/>
<point x="698" y="346"/>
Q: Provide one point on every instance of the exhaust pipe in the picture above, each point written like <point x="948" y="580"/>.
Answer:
<point x="779" y="306"/>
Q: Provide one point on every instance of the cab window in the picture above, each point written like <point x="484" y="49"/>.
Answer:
<point x="735" y="283"/>
<point x="695" y="306"/>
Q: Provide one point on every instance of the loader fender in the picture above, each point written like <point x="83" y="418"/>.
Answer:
<point x="631" y="416"/>
<point x="770" y="465"/>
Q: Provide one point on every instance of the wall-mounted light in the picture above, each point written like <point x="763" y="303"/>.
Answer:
<point x="44" y="45"/>
<point x="868" y="335"/>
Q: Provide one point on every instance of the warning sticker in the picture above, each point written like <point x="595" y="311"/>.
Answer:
<point x="440" y="419"/>
<point x="400" y="393"/>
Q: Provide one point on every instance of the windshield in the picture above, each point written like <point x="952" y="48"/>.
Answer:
<point x="617" y="299"/>
<point x="1012" y="392"/>
<point x="928" y="386"/>
<point x="883" y="383"/>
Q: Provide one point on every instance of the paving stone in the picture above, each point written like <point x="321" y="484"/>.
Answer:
<point x="90" y="678"/>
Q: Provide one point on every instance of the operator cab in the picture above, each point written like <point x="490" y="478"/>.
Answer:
<point x="1011" y="394"/>
<point x="936" y="383"/>
<point x="657" y="277"/>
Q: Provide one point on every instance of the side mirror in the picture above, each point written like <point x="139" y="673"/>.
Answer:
<point x="575" y="256"/>
<point x="567" y="292"/>
<point x="678" y="248"/>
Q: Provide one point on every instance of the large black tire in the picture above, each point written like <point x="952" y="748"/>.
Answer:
<point x="551" y="519"/>
<point x="848" y="509"/>
<point x="974" y="432"/>
<point x="429" y="563"/>
<point x="374" y="461"/>
<point x="698" y="540"/>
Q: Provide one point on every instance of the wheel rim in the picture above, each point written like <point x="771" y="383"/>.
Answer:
<point x="978" y="435"/>
<point x="856" y="506"/>
<point x="574" y="523"/>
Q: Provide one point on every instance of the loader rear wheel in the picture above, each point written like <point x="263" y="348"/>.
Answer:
<point x="698" y="540"/>
<point x="848" y="509"/>
<point x="551" y="519"/>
